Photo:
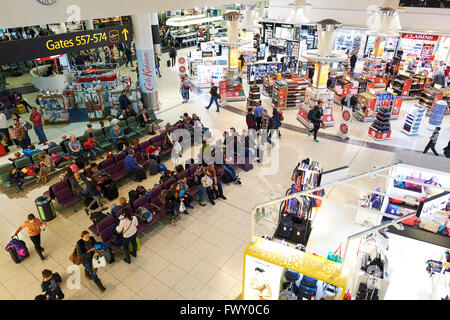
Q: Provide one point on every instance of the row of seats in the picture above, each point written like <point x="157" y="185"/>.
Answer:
<point x="152" y="202"/>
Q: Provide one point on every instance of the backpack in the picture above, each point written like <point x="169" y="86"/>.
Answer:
<point x="186" y="85"/>
<point x="353" y="100"/>
<point x="55" y="158"/>
<point x="116" y="239"/>
<point x="144" y="215"/>
<point x="250" y="121"/>
<point x="162" y="167"/>
<point x="133" y="195"/>
<point x="153" y="166"/>
<point x="141" y="190"/>
<point x="226" y="178"/>
<point x="73" y="167"/>
<point x="309" y="117"/>
<point x="97" y="216"/>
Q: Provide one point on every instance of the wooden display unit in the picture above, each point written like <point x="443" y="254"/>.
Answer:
<point x="53" y="108"/>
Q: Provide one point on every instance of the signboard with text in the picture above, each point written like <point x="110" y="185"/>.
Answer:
<point x="23" y="50"/>
<point x="419" y="36"/>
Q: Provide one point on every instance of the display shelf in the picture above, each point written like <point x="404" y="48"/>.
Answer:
<point x="341" y="90"/>
<point x="254" y="97"/>
<point x="296" y="91"/>
<point x="53" y="108"/>
<point x="257" y="70"/>
<point x="429" y="97"/>
<point x="365" y="108"/>
<point x="402" y="85"/>
<point x="269" y="78"/>
<point x="312" y="97"/>
<point x="380" y="129"/>
<point x="279" y="93"/>
<point x="413" y="120"/>
<point x="373" y="68"/>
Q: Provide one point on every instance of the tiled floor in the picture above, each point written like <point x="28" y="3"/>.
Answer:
<point x="201" y="258"/>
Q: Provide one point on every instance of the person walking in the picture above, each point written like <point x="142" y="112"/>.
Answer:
<point x="128" y="228"/>
<point x="128" y="54"/>
<point x="50" y="285"/>
<point x="33" y="225"/>
<point x="315" y="116"/>
<point x="250" y="120"/>
<point x="258" y="116"/>
<point x="184" y="89"/>
<point x="214" y="98"/>
<point x="173" y="54"/>
<point x="157" y="64"/>
<point x="86" y="251"/>
<point x="36" y="119"/>
<point x="433" y="140"/>
<point x="266" y="126"/>
<point x="276" y="123"/>
<point x="107" y="55"/>
<point x="447" y="150"/>
<point x="353" y="60"/>
<point x="4" y="127"/>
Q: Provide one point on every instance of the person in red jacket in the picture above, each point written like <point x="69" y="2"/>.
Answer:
<point x="36" y="119"/>
<point x="153" y="152"/>
<point x="92" y="148"/>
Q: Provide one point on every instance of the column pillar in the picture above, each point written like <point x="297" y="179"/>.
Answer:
<point x="155" y="33"/>
<point x="145" y="59"/>
<point x="89" y="24"/>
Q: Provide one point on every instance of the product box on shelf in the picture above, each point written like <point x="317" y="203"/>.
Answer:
<point x="413" y="119"/>
<point x="366" y="107"/>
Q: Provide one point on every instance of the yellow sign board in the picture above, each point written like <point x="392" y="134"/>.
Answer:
<point x="321" y="72"/>
<point x="313" y="266"/>
<point x="233" y="56"/>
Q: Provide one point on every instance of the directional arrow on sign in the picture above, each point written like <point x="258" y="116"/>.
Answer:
<point x="125" y="33"/>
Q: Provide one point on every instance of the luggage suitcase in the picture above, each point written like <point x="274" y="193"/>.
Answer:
<point x="18" y="250"/>
<point x="97" y="216"/>
<point x="140" y="175"/>
<point x="168" y="63"/>
<point x="153" y="167"/>
<point x="285" y="227"/>
<point x="110" y="191"/>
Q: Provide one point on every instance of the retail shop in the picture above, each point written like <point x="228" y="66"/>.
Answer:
<point x="412" y="205"/>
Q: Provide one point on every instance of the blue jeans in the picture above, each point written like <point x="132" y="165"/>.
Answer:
<point x="202" y="194"/>
<point x="126" y="245"/>
<point x="80" y="154"/>
<point x="159" y="72"/>
<point x="40" y="133"/>
<point x="185" y="95"/>
<point x="87" y="264"/>
<point x="93" y="152"/>
<point x="213" y="99"/>
<point x="230" y="170"/>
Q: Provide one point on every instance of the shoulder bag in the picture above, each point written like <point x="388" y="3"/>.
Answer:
<point x="115" y="237"/>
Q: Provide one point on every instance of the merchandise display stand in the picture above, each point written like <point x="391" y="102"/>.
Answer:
<point x="380" y="129"/>
<point x="279" y="93"/>
<point x="53" y="108"/>
<point x="402" y="85"/>
<point x="296" y="90"/>
<point x="295" y="217"/>
<point x="254" y="97"/>
<point x="437" y="114"/>
<point x="312" y="97"/>
<point x="429" y="97"/>
<point x="268" y="81"/>
<point x="413" y="120"/>
<point x="417" y="84"/>
<point x="342" y="88"/>
<point x="366" y="107"/>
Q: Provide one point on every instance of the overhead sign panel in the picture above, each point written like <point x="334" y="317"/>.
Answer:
<point x="22" y="50"/>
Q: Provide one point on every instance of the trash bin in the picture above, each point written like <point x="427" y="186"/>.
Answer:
<point x="45" y="208"/>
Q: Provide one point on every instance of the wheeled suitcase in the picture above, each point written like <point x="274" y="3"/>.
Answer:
<point x="140" y="175"/>
<point x="18" y="250"/>
<point x="168" y="63"/>
<point x="110" y="191"/>
<point x="153" y="166"/>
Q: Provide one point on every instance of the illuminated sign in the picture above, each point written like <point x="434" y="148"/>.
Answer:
<point x="23" y="50"/>
<point x="418" y="36"/>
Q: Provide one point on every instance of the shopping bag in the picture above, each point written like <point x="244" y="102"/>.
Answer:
<point x="98" y="261"/>
<point x="333" y="256"/>
<point x="138" y="243"/>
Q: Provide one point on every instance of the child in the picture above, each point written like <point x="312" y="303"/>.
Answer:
<point x="50" y="286"/>
<point x="17" y="156"/>
<point x="12" y="135"/>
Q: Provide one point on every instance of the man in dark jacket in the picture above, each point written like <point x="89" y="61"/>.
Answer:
<point x="250" y="120"/>
<point x="128" y="54"/>
<point x="353" y="60"/>
<point x="50" y="285"/>
<point x="315" y="116"/>
<point x="125" y="103"/>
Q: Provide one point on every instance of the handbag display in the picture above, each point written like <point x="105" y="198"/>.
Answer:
<point x="285" y="227"/>
<point x="411" y="185"/>
<point x="333" y="256"/>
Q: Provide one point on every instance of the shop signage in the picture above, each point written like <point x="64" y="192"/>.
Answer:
<point x="418" y="36"/>
<point x="23" y="50"/>
<point x="262" y="279"/>
<point x="146" y="65"/>
<point x="181" y="60"/>
<point x="346" y="116"/>
<point x="223" y="91"/>
<point x="182" y="69"/>
<point x="433" y="204"/>
<point x="427" y="51"/>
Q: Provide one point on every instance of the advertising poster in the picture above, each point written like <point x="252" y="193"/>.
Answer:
<point x="262" y="279"/>
<point x="223" y="91"/>
<point x="344" y="126"/>
<point x="321" y="82"/>
<point x="427" y="51"/>
<point x="147" y="74"/>
<point x="233" y="57"/>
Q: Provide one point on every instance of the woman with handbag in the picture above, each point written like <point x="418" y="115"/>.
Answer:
<point x="128" y="228"/>
<point x="85" y="251"/>
<point x="45" y="166"/>
<point x="26" y="125"/>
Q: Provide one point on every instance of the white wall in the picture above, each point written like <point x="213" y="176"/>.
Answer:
<point x="413" y="19"/>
